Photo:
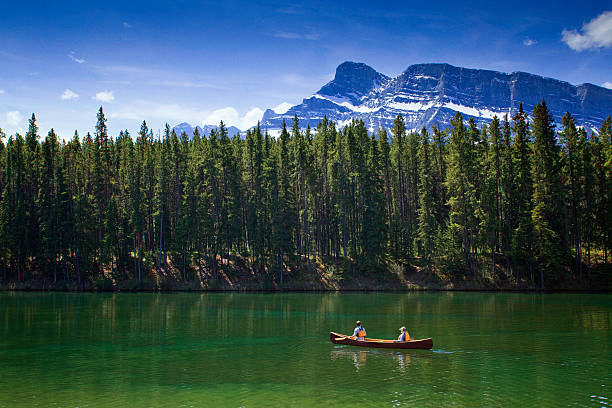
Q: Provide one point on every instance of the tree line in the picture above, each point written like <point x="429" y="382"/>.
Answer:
<point x="517" y="193"/>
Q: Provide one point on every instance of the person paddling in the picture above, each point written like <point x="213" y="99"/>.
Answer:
<point x="404" y="335"/>
<point x="359" y="331"/>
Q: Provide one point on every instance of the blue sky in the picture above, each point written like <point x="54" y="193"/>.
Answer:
<point x="175" y="61"/>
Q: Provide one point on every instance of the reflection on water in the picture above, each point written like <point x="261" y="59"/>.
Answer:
<point x="359" y="357"/>
<point x="216" y="349"/>
<point x="403" y="360"/>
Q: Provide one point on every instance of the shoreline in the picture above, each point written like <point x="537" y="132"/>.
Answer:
<point x="73" y="287"/>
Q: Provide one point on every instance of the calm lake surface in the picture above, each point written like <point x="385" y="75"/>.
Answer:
<point x="259" y="350"/>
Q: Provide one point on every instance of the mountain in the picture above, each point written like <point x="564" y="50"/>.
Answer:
<point x="188" y="129"/>
<point x="426" y="94"/>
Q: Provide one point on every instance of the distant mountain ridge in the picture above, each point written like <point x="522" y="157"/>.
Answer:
<point x="428" y="94"/>
<point x="189" y="130"/>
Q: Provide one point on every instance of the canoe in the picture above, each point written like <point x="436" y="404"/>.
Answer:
<point x="424" y="344"/>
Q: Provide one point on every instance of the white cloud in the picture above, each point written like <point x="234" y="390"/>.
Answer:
<point x="104" y="96"/>
<point x="282" y="107"/>
<point x="68" y="94"/>
<point x="1" y="91"/>
<point x="251" y="118"/>
<point x="607" y="85"/>
<point x="231" y="117"/>
<point x="75" y="59"/>
<point x="127" y="25"/>
<point x="157" y="114"/>
<point x="528" y="42"/>
<point x="228" y="115"/>
<point x="597" y="33"/>
<point x="13" y="118"/>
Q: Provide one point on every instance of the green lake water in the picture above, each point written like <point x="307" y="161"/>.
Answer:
<point x="266" y="350"/>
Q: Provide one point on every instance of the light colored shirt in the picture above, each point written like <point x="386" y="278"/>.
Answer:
<point x="356" y="332"/>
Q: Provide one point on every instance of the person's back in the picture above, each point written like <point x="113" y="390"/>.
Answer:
<point x="359" y="331"/>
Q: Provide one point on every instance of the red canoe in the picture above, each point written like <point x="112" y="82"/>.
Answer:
<point x="424" y="344"/>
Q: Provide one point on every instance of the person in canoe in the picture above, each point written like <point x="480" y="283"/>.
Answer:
<point x="404" y="335"/>
<point x="359" y="333"/>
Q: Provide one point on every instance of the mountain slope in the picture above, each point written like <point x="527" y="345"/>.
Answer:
<point x="426" y="94"/>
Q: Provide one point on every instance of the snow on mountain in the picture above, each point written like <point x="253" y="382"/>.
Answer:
<point x="428" y="94"/>
<point x="282" y="108"/>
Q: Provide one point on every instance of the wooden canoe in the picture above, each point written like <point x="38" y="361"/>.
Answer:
<point x="424" y="344"/>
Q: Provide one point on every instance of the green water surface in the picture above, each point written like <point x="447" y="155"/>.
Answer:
<point x="261" y="350"/>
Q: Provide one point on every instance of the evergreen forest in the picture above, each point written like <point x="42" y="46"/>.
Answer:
<point x="519" y="201"/>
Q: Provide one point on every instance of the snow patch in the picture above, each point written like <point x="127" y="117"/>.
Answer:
<point x="419" y="77"/>
<point x="282" y="108"/>
<point x="481" y="113"/>
<point x="344" y="102"/>
<point x="411" y="106"/>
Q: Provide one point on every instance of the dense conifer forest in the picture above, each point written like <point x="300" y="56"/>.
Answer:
<point x="518" y="201"/>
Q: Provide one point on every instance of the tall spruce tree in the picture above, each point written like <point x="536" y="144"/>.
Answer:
<point x="548" y="201"/>
<point x="461" y="193"/>
<point x="427" y="227"/>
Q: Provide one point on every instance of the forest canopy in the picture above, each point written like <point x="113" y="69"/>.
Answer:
<point x="517" y="192"/>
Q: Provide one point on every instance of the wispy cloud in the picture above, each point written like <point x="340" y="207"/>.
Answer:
<point x="597" y="33"/>
<point x="304" y="81"/>
<point x="115" y="82"/>
<point x="75" y="59"/>
<point x="104" y="96"/>
<point x="607" y="85"/>
<point x="1" y="91"/>
<point x="135" y="75"/>
<point x="68" y="94"/>
<point x="296" y="36"/>
<point x="528" y="42"/>
<point x="183" y="84"/>
<point x="127" y="25"/>
<point x="14" y="118"/>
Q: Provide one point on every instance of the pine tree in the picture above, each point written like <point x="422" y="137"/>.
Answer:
<point x="461" y="192"/>
<point x="573" y="169"/>
<point x="401" y="210"/>
<point x="287" y="199"/>
<point x="387" y="170"/>
<point x="509" y="192"/>
<point x="603" y="175"/>
<point x="427" y="227"/>
<point x="231" y="193"/>
<point x="13" y="208"/>
<point x="373" y="230"/>
<point x="547" y="213"/>
<point x="587" y="186"/>
<point x="47" y="202"/>
<point x="162" y="197"/>
<point x="31" y="243"/>
<point x="523" y="233"/>
<point x="494" y="177"/>
<point x="439" y="162"/>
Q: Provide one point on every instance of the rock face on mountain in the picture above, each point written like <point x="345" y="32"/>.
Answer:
<point x="428" y="94"/>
